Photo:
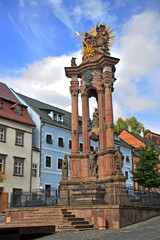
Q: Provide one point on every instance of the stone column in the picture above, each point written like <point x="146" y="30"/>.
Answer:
<point x="85" y="118"/>
<point x="74" y="90"/>
<point x="109" y="127"/>
<point x="101" y="120"/>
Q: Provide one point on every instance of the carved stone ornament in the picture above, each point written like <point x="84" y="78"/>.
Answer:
<point x="93" y="166"/>
<point x="65" y="168"/>
<point x="119" y="161"/>
<point x="73" y="62"/>
<point x="87" y="75"/>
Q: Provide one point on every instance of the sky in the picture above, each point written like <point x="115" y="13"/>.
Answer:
<point x="37" y="42"/>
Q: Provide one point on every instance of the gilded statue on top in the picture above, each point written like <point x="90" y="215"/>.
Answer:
<point x="97" y="39"/>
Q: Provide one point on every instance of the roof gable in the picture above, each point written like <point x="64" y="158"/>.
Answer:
<point x="6" y="93"/>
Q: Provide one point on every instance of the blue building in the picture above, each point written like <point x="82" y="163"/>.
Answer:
<point x="52" y="136"/>
<point x="126" y="150"/>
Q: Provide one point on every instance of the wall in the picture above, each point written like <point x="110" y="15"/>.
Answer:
<point x="10" y="149"/>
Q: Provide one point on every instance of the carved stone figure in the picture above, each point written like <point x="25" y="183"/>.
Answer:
<point x="119" y="161"/>
<point x="95" y="123"/>
<point x="65" y="168"/>
<point x="93" y="166"/>
<point x="73" y="62"/>
<point x="94" y="133"/>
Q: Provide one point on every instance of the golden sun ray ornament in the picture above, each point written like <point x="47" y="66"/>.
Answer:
<point x="98" y="36"/>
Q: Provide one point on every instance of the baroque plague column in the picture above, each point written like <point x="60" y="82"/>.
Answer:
<point x="96" y="74"/>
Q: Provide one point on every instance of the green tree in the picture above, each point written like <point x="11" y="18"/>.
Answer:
<point x="146" y="173"/>
<point x="123" y="124"/>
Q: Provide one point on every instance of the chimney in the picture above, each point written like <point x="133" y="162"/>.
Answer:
<point x="129" y="128"/>
<point x="142" y="133"/>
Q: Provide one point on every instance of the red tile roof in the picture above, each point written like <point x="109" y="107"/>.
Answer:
<point x="6" y="93"/>
<point x="9" y="103"/>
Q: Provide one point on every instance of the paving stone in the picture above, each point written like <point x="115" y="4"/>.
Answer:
<point x="147" y="230"/>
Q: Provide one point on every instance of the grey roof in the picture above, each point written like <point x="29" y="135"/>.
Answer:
<point x="121" y="142"/>
<point x="43" y="109"/>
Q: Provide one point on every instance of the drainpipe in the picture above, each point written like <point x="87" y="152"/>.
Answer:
<point x="31" y="161"/>
<point x="41" y="125"/>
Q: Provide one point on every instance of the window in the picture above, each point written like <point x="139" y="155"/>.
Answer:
<point x="81" y="147"/>
<point x="60" y="163"/>
<point x="70" y="144"/>
<point x="127" y="158"/>
<point x="48" y="161"/>
<point x="60" y="142"/>
<point x="55" y="116"/>
<point x="18" y="166"/>
<point x="91" y="148"/>
<point x="19" y="138"/>
<point x="126" y="174"/>
<point x="49" y="139"/>
<point x="2" y="162"/>
<point x="60" y="118"/>
<point x="48" y="190"/>
<point x="34" y="170"/>
<point x="2" y="134"/>
<point x="17" y="110"/>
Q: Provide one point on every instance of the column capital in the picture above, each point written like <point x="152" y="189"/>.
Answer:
<point x="108" y="78"/>
<point x="74" y="88"/>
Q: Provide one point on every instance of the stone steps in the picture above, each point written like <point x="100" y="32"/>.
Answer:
<point x="63" y="219"/>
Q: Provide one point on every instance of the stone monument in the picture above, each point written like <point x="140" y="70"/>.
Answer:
<point x="96" y="72"/>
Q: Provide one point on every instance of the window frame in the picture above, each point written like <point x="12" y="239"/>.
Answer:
<point x="35" y="168"/>
<point x="48" y="134"/>
<point x="70" y="144"/>
<point x="50" y="161"/>
<point x="59" y="145"/>
<point x="127" y="158"/>
<point x="3" y="158"/>
<point x="4" y="135"/>
<point x="22" y="134"/>
<point x="58" y="163"/>
<point x="20" y="160"/>
<point x="126" y="174"/>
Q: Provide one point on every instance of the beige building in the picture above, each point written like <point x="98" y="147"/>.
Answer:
<point x="17" y="155"/>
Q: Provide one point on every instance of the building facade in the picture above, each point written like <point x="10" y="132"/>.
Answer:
<point x="52" y="136"/>
<point x="16" y="155"/>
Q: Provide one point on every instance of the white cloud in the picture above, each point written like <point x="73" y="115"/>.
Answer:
<point x="45" y="80"/>
<point x="139" y="53"/>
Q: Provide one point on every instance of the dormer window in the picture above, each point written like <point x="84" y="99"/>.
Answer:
<point x="17" y="109"/>
<point x="56" y="116"/>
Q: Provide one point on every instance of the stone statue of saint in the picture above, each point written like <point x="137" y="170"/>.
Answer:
<point x="95" y="123"/>
<point x="65" y="168"/>
<point x="119" y="161"/>
<point x="93" y="166"/>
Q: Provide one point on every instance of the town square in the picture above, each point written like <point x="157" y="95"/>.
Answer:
<point x="79" y="125"/>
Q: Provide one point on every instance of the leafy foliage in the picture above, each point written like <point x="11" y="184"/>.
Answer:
<point x="123" y="124"/>
<point x="146" y="173"/>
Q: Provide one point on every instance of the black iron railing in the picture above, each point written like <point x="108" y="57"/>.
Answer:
<point x="86" y="196"/>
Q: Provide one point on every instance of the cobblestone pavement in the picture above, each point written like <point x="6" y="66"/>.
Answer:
<point x="147" y="230"/>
